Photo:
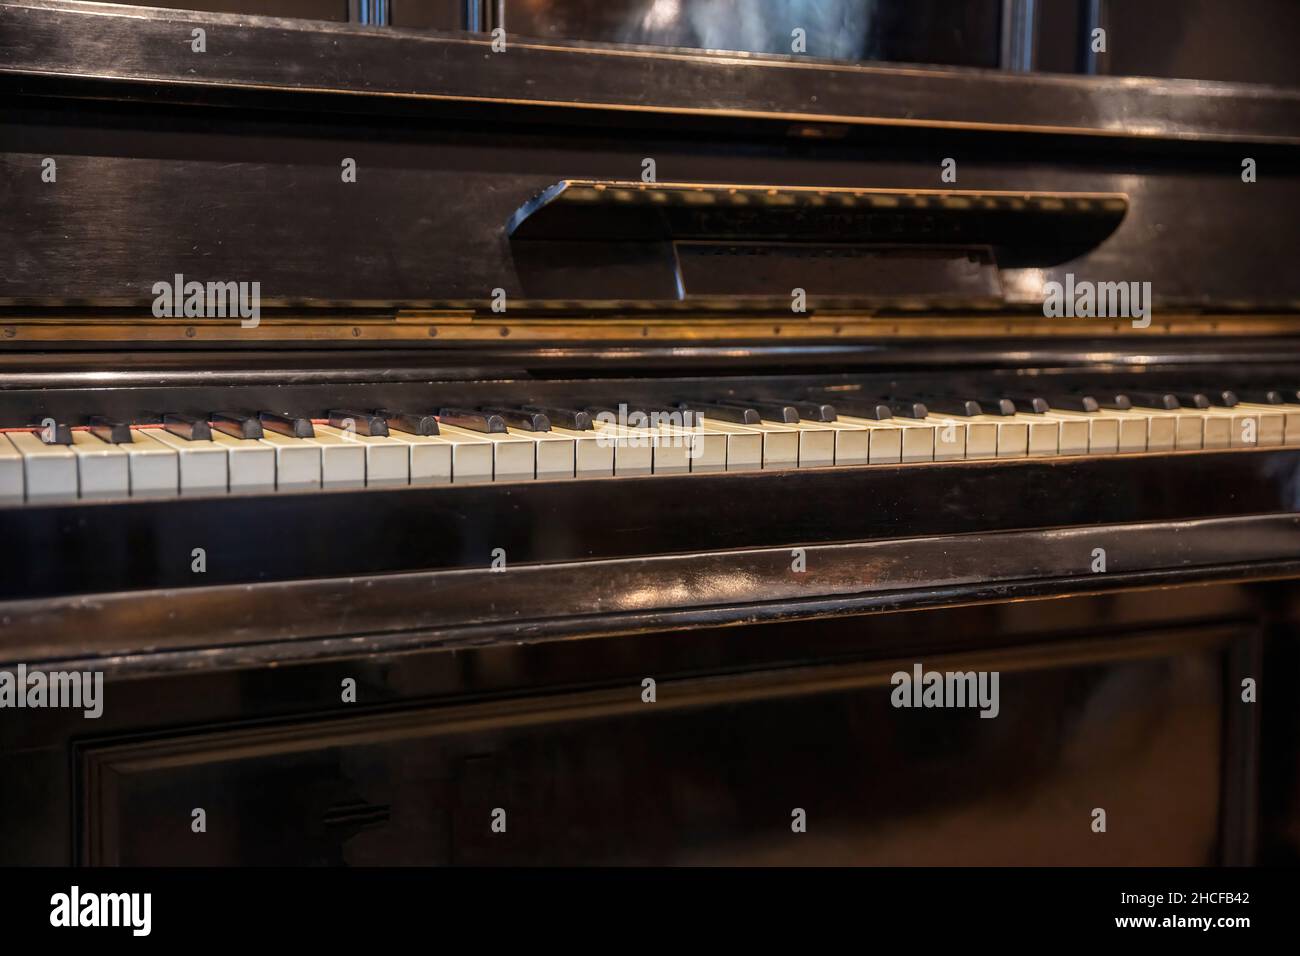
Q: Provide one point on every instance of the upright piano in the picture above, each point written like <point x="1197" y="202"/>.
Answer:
<point x="464" y="449"/>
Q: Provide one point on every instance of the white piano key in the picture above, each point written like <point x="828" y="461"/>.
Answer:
<point x="297" y="461"/>
<point x="981" y="438"/>
<point x="633" y="448"/>
<point x="202" y="464"/>
<point x="1160" y="428"/>
<point x="1256" y="425"/>
<point x="1102" y="431"/>
<point x="592" y="456"/>
<point x="1011" y="435"/>
<point x="670" y="451"/>
<point x="1291" y="424"/>
<point x="1043" y="439"/>
<point x="706" y="450"/>
<point x="744" y="448"/>
<point x="387" y="460"/>
<point x="11" y="472"/>
<point x="816" y="444"/>
<point x="513" y="458"/>
<point x="950" y="437"/>
<point x="885" y="440"/>
<point x="342" y="459"/>
<point x="49" y="471"/>
<point x="1189" y="429"/>
<point x="1072" y="434"/>
<point x="102" y="467"/>
<point x="780" y="444"/>
<point x="154" y="467"/>
<point x="852" y="443"/>
<point x="429" y="461"/>
<point x="1216" y="429"/>
<point x="250" y="464"/>
<point x="553" y="453"/>
<point x="1132" y="433"/>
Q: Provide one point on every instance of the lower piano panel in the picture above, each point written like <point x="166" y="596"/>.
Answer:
<point x="1134" y="719"/>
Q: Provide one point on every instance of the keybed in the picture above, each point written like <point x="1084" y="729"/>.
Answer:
<point x="501" y="444"/>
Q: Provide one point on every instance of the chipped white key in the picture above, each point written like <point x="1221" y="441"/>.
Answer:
<point x="670" y="450"/>
<point x="706" y="450"/>
<point x="342" y="459"/>
<point x="852" y="442"/>
<point x="780" y="444"/>
<point x="1072" y="433"/>
<point x="633" y="447"/>
<point x="471" y="456"/>
<point x="102" y="468"/>
<point x="428" y="457"/>
<point x="1257" y="425"/>
<point x="981" y="435"/>
<point x="553" y="453"/>
<point x="592" y="456"/>
<point x="202" y="464"/>
<point x="1216" y="428"/>
<point x="950" y="437"/>
<point x="885" y="439"/>
<point x="1010" y="435"/>
<point x="49" y="471"/>
<point x="816" y="444"/>
<point x="1291" y="427"/>
<point x="1158" y="428"/>
<point x="513" y="458"/>
<point x="155" y="468"/>
<point x="250" y="464"/>
<point x="743" y="448"/>
<point x="297" y="461"/>
<point x="1043" y="434"/>
<point x="11" y="472"/>
<point x="387" y="461"/>
<point x="1098" y="432"/>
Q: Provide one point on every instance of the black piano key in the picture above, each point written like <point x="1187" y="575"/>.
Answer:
<point x="738" y="414"/>
<point x="1070" y="403"/>
<point x="184" y="426"/>
<point x="1193" y="399"/>
<point x="522" y="418"/>
<point x="864" y="408"/>
<point x="413" y="423"/>
<point x="1166" y="401"/>
<point x="284" y="424"/>
<point x="812" y="411"/>
<point x="236" y="424"/>
<point x="476" y="421"/>
<point x="997" y="406"/>
<point x="571" y="418"/>
<point x="1032" y="404"/>
<point x="54" y="433"/>
<point x="1219" y="397"/>
<point x="962" y="407"/>
<point x="631" y="417"/>
<point x="682" y="416"/>
<point x="1266" y="396"/>
<point x="1115" y="401"/>
<point x="362" y="423"/>
<point x="768" y="411"/>
<point x="1029" y="403"/>
<point x="908" y="408"/>
<point x="117" y="433"/>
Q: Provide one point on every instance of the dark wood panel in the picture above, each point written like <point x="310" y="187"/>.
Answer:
<point x="711" y="772"/>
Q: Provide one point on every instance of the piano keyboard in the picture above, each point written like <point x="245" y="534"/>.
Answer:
<point x="271" y="452"/>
